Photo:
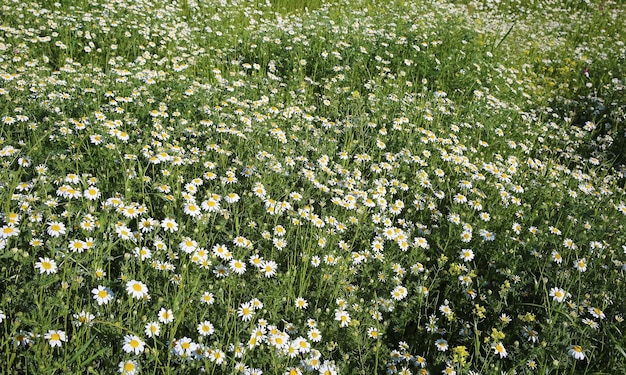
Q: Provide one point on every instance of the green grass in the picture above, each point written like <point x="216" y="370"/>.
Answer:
<point x="312" y="187"/>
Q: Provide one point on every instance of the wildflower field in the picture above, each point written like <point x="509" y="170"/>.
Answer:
<point x="312" y="187"/>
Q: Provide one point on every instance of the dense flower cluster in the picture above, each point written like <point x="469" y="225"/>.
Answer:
<point x="321" y="192"/>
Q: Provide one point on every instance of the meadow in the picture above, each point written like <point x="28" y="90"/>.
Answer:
<point x="312" y="187"/>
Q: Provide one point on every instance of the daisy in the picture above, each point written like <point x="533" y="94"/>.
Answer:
<point x="22" y="338"/>
<point x="499" y="349"/>
<point x="91" y="193"/>
<point x="554" y="230"/>
<point x="55" y="338"/>
<point x="147" y="224"/>
<point x="142" y="253"/>
<point x="442" y="345"/>
<point x="466" y="236"/>
<point x="77" y="246"/>
<point x="185" y="347"/>
<point x="102" y="295"/>
<point x="399" y="293"/>
<point x="133" y="344"/>
<point x="221" y="271"/>
<point x="46" y="265"/>
<point x="123" y="232"/>
<point x="581" y="264"/>
<point x="205" y="328"/>
<point x="591" y="323"/>
<point x="467" y="255"/>
<point x="269" y="268"/>
<point x="188" y="245"/>
<point x="82" y="318"/>
<point x="8" y="231"/>
<point x="245" y="311"/>
<point x="55" y="229"/>
<point x="128" y="367"/>
<point x="280" y="340"/>
<point x="166" y="316"/>
<point x="210" y="205"/>
<point x="169" y="225"/>
<point x="343" y="317"/>
<point x="221" y="251"/>
<point x="217" y="356"/>
<point x="596" y="312"/>
<point x="530" y="333"/>
<point x="314" y="335"/>
<point x="137" y="289"/>
<point x="237" y="266"/>
<point x="302" y="345"/>
<point x="558" y="294"/>
<point x="577" y="352"/>
<point x="192" y="210"/>
<point x="373" y="333"/>
<point x="152" y="329"/>
<point x="232" y="198"/>
<point x="207" y="298"/>
<point x="556" y="257"/>
<point x="301" y="303"/>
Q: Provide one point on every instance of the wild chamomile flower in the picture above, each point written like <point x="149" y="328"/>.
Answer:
<point x="268" y="268"/>
<point x="55" y="338"/>
<point x="399" y="293"/>
<point x="192" y="209"/>
<point x="188" y="245"/>
<point x="9" y="231"/>
<point x="129" y="367"/>
<point x="581" y="264"/>
<point x="169" y="225"/>
<point x="142" y="253"/>
<point x="596" y="312"/>
<point x="467" y="255"/>
<point x="166" y="316"/>
<point x="591" y="323"/>
<point x="245" y="311"/>
<point x="221" y="251"/>
<point x="91" y="193"/>
<point x="441" y="345"/>
<point x="22" y="338"/>
<point x="372" y="332"/>
<point x="237" y="266"/>
<point x="137" y="289"/>
<point x="123" y="231"/>
<point x="185" y="347"/>
<point x="232" y="198"/>
<point x="314" y="335"/>
<point x="558" y="294"/>
<point x="102" y="295"/>
<point x="83" y="318"/>
<point x="77" y="246"/>
<point x="577" y="352"/>
<point x="211" y="205"/>
<point x="56" y="229"/>
<point x="147" y="225"/>
<point x="207" y="298"/>
<point x="152" y="329"/>
<point x="499" y="349"/>
<point x="205" y="328"/>
<point x="343" y="317"/>
<point x="46" y="265"/>
<point x="133" y="344"/>
<point x="301" y="303"/>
